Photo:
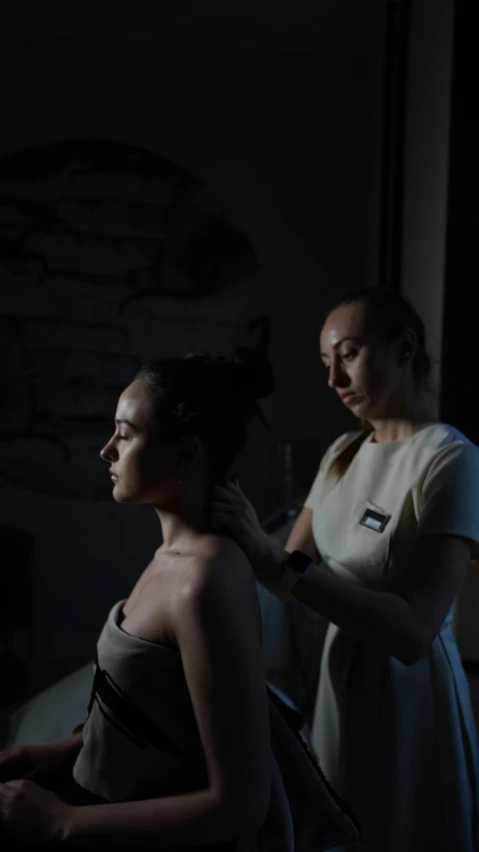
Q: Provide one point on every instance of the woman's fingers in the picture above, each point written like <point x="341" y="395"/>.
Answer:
<point x="232" y="485"/>
<point x="232" y="511"/>
<point x="223" y="521"/>
<point x="12" y="764"/>
<point x="243" y="517"/>
<point x="223" y="491"/>
<point x="225" y="509"/>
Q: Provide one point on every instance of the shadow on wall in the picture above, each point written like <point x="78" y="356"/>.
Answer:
<point x="16" y="613"/>
<point x="109" y="255"/>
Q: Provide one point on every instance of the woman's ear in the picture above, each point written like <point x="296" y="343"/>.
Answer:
<point x="189" y="450"/>
<point x="407" y="346"/>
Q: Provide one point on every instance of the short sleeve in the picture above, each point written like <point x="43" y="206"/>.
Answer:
<point x="449" y="501"/>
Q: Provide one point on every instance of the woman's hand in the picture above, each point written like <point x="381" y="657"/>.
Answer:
<point x="233" y="513"/>
<point x="38" y="762"/>
<point x="31" y="813"/>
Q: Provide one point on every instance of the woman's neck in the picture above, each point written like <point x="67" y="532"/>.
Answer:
<point x="180" y="527"/>
<point x="401" y="421"/>
<point x="389" y="431"/>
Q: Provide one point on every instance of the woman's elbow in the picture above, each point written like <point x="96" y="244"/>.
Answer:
<point x="251" y="814"/>
<point x="247" y="810"/>
<point x="257" y="810"/>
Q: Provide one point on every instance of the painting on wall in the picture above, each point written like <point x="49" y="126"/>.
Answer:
<point x="109" y="255"/>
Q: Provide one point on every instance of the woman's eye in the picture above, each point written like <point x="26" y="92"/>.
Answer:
<point x="123" y="437"/>
<point x="348" y="356"/>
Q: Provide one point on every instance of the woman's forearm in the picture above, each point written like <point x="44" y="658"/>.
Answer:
<point x="267" y="559"/>
<point x="381" y="618"/>
<point x="73" y="743"/>
<point x="194" y="819"/>
<point x="378" y="617"/>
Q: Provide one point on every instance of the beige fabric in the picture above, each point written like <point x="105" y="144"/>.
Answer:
<point x="141" y="741"/>
<point x="427" y="483"/>
<point x="141" y="737"/>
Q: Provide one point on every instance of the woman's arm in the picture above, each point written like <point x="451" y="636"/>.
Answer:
<point x="404" y="624"/>
<point x="39" y="762"/>
<point x="301" y="536"/>
<point x="216" y="630"/>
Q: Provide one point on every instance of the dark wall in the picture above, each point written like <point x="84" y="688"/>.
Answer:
<point x="281" y="123"/>
<point x="461" y="306"/>
<point x="459" y="392"/>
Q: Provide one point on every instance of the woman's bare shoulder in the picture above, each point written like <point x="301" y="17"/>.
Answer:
<point x="215" y="572"/>
<point x="221" y="587"/>
<point x="221" y="561"/>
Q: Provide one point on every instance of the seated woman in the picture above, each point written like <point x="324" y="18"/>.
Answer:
<point x="183" y="746"/>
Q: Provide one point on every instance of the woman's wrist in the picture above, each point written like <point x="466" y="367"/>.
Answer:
<point x="66" y="832"/>
<point x="265" y="549"/>
<point x="261" y="545"/>
<point x="268" y="562"/>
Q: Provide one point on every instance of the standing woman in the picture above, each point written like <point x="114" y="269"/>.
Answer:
<point x="381" y="549"/>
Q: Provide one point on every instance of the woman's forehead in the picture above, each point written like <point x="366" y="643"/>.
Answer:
<point x="133" y="403"/>
<point x="344" y="322"/>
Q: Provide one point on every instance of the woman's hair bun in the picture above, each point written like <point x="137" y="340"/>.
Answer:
<point x="198" y="353"/>
<point x="246" y="377"/>
<point x="212" y="398"/>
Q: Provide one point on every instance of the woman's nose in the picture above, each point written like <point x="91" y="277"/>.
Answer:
<point x="109" y="452"/>
<point x="337" y="377"/>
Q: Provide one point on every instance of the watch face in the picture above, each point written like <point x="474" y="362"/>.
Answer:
<point x="298" y="561"/>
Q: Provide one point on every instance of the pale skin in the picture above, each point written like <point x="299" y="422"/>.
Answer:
<point x="376" y="382"/>
<point x="199" y="595"/>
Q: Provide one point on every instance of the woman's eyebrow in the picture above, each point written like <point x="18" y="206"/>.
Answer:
<point x="348" y="337"/>
<point x="127" y="423"/>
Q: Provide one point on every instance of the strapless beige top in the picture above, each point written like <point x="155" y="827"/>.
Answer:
<point x="141" y="741"/>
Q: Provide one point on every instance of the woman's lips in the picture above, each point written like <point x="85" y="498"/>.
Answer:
<point x="347" y="398"/>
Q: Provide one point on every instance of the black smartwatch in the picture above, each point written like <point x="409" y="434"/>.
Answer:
<point x="295" y="566"/>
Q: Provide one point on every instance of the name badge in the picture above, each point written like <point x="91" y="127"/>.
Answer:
<point x="374" y="520"/>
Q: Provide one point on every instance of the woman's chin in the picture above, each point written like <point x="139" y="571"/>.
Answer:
<point x="120" y="496"/>
<point x="357" y="409"/>
<point x="361" y="412"/>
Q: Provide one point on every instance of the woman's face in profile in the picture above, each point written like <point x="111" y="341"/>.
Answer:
<point x="141" y="467"/>
<point x="362" y="369"/>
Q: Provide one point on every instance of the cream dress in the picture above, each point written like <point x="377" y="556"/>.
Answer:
<point x="398" y="742"/>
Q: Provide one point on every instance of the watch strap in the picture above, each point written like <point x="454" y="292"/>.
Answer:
<point x="295" y="566"/>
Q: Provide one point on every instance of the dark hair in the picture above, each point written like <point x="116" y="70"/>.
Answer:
<point x="211" y="398"/>
<point x="389" y="315"/>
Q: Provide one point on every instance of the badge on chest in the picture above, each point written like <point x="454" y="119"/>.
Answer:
<point x="375" y="520"/>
